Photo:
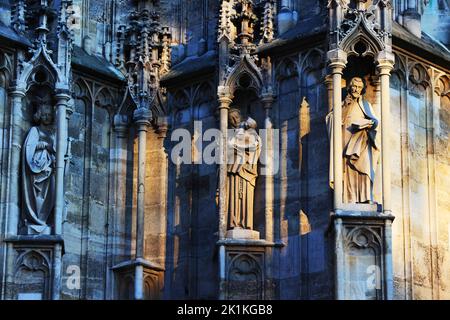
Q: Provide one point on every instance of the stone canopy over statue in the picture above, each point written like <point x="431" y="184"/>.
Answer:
<point x="359" y="142"/>
<point x="38" y="172"/>
<point x="244" y="148"/>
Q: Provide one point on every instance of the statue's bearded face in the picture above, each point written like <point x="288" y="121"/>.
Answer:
<point x="356" y="87"/>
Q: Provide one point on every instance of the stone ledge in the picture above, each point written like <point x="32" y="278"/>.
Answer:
<point x="361" y="214"/>
<point x="137" y="262"/>
<point x="242" y="234"/>
<point x="360" y="207"/>
<point x="36" y="240"/>
<point x="247" y="242"/>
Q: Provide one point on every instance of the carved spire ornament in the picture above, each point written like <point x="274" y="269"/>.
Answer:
<point x="144" y="51"/>
<point x="371" y="23"/>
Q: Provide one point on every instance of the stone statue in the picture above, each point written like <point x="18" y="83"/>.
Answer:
<point x="359" y="143"/>
<point x="244" y="148"/>
<point x="38" y="172"/>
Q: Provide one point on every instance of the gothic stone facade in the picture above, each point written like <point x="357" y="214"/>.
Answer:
<point x="127" y="222"/>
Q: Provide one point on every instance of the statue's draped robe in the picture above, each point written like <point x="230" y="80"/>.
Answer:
<point x="360" y="151"/>
<point x="241" y="178"/>
<point x="38" y="179"/>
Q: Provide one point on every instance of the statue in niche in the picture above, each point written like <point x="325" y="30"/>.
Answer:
<point x="360" y="147"/>
<point x="38" y="171"/>
<point x="244" y="149"/>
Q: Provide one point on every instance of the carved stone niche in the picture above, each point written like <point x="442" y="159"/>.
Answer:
<point x="244" y="274"/>
<point x="32" y="273"/>
<point x="362" y="253"/>
<point x="125" y="275"/>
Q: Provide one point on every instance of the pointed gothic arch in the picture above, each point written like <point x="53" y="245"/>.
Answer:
<point x="245" y="75"/>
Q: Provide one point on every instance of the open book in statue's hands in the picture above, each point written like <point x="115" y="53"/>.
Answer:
<point x="362" y="124"/>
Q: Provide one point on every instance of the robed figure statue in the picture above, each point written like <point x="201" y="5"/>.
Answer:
<point x="244" y="148"/>
<point x="38" y="172"/>
<point x="360" y="146"/>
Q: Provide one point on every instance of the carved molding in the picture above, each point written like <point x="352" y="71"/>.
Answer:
<point x="442" y="87"/>
<point x="32" y="272"/>
<point x="364" y="237"/>
<point x="245" y="275"/>
<point x="361" y="31"/>
<point x="57" y="65"/>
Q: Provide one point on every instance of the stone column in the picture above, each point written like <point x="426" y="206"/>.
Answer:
<point x="225" y="101"/>
<point x="385" y="64"/>
<point x="337" y="61"/>
<point x="142" y="119"/>
<point x="63" y="112"/>
<point x="121" y="130"/>
<point x="339" y="258"/>
<point x="267" y="101"/>
<point x="62" y="101"/>
<point x="375" y="80"/>
<point x="13" y="211"/>
<point x="329" y="85"/>
<point x="118" y="194"/>
<point x="388" y="267"/>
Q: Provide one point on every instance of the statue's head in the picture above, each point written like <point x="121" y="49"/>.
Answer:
<point x="234" y="117"/>
<point x="356" y="87"/>
<point x="44" y="115"/>
<point x="250" y="123"/>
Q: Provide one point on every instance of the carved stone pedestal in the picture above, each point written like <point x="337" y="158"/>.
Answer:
<point x="38" y="229"/>
<point x="362" y="253"/>
<point x="247" y="269"/>
<point x="33" y="271"/>
<point x="153" y="279"/>
<point x="239" y="233"/>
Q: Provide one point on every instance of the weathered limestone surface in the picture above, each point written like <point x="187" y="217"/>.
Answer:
<point x="182" y="255"/>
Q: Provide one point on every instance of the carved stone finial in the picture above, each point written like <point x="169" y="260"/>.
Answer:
<point x="226" y="28"/>
<point x="18" y="15"/>
<point x="147" y="56"/>
<point x="268" y="28"/>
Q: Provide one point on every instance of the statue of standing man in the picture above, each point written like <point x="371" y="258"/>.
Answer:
<point x="360" y="147"/>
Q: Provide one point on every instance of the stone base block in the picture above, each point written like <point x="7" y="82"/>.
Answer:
<point x="239" y="233"/>
<point x="149" y="285"/>
<point x="38" y="229"/>
<point x="34" y="261"/>
<point x="362" y="254"/>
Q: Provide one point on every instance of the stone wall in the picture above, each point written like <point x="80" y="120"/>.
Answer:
<point x="419" y="171"/>
<point x="192" y="216"/>
<point x="181" y="216"/>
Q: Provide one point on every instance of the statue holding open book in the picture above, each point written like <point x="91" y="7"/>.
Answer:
<point x="360" y="147"/>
